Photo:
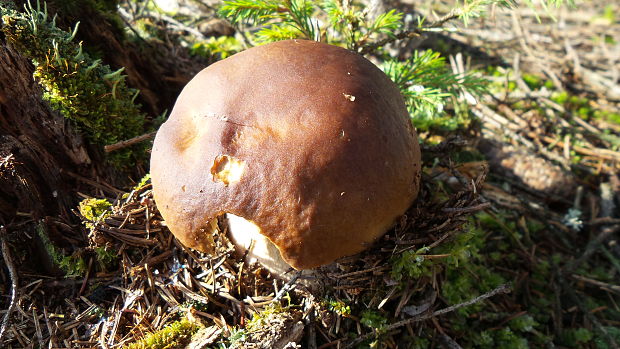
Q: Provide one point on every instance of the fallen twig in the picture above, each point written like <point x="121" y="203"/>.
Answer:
<point x="8" y="261"/>
<point x="586" y="312"/>
<point x="475" y="208"/>
<point x="606" y="154"/>
<point x="408" y="34"/>
<point x="126" y="143"/>
<point x="500" y="289"/>
<point x="289" y="286"/>
<point x="603" y="285"/>
<point x="593" y="245"/>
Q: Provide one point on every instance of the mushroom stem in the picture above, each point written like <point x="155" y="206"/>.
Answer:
<point x="246" y="236"/>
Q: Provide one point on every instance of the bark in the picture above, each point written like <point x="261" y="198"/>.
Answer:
<point x="40" y="151"/>
<point x="38" y="147"/>
<point x="44" y="160"/>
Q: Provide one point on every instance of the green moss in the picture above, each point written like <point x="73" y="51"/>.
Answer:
<point x="601" y="341"/>
<point x="489" y="242"/>
<point x="576" y="102"/>
<point x="237" y="336"/>
<point x="374" y="319"/>
<point x="524" y="323"/>
<point x="535" y="82"/>
<point x="507" y="338"/>
<point x="254" y="328"/>
<point x="439" y="124"/>
<point x="71" y="265"/>
<point x="609" y="13"/>
<point x="464" y="247"/>
<point x="532" y="81"/>
<point x="560" y="97"/>
<point x="144" y="181"/>
<point x="608" y="39"/>
<point x="607" y="116"/>
<point x="82" y="89"/>
<point x="176" y="335"/>
<point x="469" y="283"/>
<point x="261" y="319"/>
<point x="521" y="105"/>
<point x="493" y="71"/>
<point x="410" y="264"/>
<point x="94" y="209"/>
<point x="511" y="86"/>
<point x="583" y="112"/>
<point x="534" y="226"/>
<point x="339" y="307"/>
<point x="575" y="338"/>
<point x="146" y="29"/>
<point x="106" y="258"/>
<point x="217" y="48"/>
<point x="476" y="325"/>
<point x="418" y="342"/>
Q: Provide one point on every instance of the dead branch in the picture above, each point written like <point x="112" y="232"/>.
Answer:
<point x="8" y="261"/>
<point x="592" y="247"/>
<point x="126" y="143"/>
<point x="500" y="289"/>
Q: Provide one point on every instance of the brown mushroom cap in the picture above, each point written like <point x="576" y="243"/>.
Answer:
<point x="309" y="141"/>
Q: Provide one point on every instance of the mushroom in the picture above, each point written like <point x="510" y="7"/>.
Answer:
<point x="307" y="148"/>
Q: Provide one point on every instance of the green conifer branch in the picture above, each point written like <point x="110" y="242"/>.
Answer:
<point x="257" y="12"/>
<point x="427" y="85"/>
<point x="476" y="8"/>
<point x="386" y="23"/>
<point x="294" y="16"/>
<point x="425" y="81"/>
<point x="276" y="33"/>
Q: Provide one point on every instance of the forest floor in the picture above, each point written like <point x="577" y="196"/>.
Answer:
<point x="525" y="192"/>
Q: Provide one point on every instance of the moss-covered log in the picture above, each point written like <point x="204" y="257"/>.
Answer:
<point x="42" y="150"/>
<point x="59" y="105"/>
<point x="38" y="147"/>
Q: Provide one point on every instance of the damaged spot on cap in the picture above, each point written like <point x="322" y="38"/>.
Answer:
<point x="227" y="169"/>
<point x="349" y="97"/>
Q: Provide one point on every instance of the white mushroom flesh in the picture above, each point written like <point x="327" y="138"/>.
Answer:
<point x="246" y="236"/>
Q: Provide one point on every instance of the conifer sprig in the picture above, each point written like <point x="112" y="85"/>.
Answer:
<point x="350" y="24"/>
<point x="425" y="80"/>
<point x="476" y="8"/>
<point x="288" y="18"/>
<point x="352" y="27"/>
<point x="256" y="11"/>
<point x="386" y="23"/>
<point x="427" y="85"/>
